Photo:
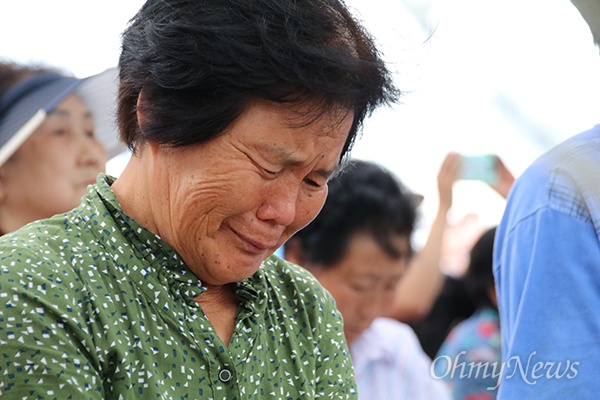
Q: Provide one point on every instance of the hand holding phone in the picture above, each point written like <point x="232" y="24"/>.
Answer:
<point x="480" y="167"/>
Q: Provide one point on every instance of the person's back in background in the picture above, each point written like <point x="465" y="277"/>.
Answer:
<point x="547" y="269"/>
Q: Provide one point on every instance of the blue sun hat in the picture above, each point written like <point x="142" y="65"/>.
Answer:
<point x="24" y="107"/>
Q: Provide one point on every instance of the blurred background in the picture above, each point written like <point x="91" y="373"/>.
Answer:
<point x="505" y="77"/>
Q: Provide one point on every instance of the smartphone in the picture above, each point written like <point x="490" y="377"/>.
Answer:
<point x="480" y="167"/>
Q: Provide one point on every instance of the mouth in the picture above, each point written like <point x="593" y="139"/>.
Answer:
<point x="254" y="245"/>
<point x="88" y="182"/>
<point x="355" y="331"/>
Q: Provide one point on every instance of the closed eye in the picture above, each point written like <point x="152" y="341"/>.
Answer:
<point x="264" y="171"/>
<point x="268" y="172"/>
<point x="59" y="131"/>
<point x="360" y="287"/>
<point x="312" y="183"/>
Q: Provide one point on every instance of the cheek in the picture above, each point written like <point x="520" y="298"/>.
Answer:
<point x="35" y="164"/>
<point x="54" y="153"/>
<point x="348" y="303"/>
<point x="33" y="150"/>
<point x="308" y="207"/>
<point x="387" y="300"/>
<point x="198" y="204"/>
<point x="342" y="294"/>
<point x="210" y="201"/>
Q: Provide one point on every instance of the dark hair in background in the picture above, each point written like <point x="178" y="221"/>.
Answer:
<point x="363" y="198"/>
<point x="199" y="63"/>
<point x="479" y="277"/>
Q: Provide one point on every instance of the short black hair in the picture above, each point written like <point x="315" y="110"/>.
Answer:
<point x="363" y="198"/>
<point x="479" y="277"/>
<point x="199" y="63"/>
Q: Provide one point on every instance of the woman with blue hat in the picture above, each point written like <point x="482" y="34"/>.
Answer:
<point x="49" y="147"/>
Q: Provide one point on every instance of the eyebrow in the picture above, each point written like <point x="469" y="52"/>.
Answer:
<point x="61" y="112"/>
<point x="324" y="172"/>
<point x="375" y="277"/>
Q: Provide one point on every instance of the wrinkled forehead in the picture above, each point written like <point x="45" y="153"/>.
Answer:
<point x="71" y="106"/>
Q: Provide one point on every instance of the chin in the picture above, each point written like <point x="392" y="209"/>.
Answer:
<point x="350" y="338"/>
<point x="238" y="273"/>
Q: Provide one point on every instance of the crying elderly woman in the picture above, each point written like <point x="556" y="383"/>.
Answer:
<point x="162" y="283"/>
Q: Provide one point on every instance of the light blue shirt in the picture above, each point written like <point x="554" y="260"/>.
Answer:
<point x="389" y="364"/>
<point x="547" y="271"/>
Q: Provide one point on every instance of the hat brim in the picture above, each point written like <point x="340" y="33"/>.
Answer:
<point x="98" y="93"/>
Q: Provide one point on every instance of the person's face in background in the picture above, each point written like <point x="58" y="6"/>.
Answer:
<point x="51" y="170"/>
<point x="363" y="283"/>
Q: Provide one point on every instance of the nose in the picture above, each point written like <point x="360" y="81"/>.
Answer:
<point x="369" y="310"/>
<point x="375" y="306"/>
<point x="91" y="152"/>
<point x="280" y="204"/>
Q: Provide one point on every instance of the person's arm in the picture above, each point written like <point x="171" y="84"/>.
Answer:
<point x="505" y="179"/>
<point x="423" y="280"/>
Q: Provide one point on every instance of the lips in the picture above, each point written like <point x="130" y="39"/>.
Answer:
<point x="255" y="244"/>
<point x="356" y="331"/>
<point x="87" y="182"/>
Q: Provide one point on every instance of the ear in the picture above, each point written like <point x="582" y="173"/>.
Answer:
<point x="140" y="113"/>
<point x="139" y="108"/>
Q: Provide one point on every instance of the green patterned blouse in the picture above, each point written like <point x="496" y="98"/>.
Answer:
<point x="95" y="306"/>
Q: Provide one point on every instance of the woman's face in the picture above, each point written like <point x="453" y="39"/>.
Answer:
<point x="363" y="283"/>
<point x="227" y="204"/>
<point x="51" y="170"/>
